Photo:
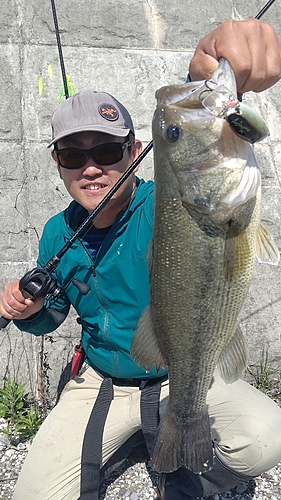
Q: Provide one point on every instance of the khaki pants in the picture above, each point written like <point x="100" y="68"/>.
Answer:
<point x="245" y="428"/>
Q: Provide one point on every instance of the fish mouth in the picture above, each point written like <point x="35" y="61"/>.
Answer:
<point x="193" y="93"/>
<point x="179" y="95"/>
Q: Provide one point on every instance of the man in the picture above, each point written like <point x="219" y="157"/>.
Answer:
<point x="93" y="139"/>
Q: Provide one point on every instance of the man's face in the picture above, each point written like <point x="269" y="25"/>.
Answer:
<point x="89" y="184"/>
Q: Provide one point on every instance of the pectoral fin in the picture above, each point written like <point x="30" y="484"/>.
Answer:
<point x="145" y="348"/>
<point x="233" y="360"/>
<point x="267" y="251"/>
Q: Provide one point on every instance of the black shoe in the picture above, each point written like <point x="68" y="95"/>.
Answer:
<point x="139" y="453"/>
<point x="170" y="491"/>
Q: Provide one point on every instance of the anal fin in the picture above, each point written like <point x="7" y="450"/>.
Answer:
<point x="233" y="360"/>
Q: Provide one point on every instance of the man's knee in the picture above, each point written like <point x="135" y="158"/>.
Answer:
<point x="255" y="447"/>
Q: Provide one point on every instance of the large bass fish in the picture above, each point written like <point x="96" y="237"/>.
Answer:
<point x="207" y="233"/>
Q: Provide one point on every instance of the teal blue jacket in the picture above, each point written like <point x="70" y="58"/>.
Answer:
<point x="118" y="279"/>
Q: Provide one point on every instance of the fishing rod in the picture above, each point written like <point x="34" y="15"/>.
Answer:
<point x="64" y="79"/>
<point x="264" y="9"/>
<point x="39" y="282"/>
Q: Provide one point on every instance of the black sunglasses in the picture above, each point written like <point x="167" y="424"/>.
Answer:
<point x="103" y="154"/>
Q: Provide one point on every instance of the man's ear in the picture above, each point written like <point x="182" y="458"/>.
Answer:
<point x="56" y="162"/>
<point x="136" y="151"/>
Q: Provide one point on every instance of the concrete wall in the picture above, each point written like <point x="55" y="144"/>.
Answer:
<point x="128" y="48"/>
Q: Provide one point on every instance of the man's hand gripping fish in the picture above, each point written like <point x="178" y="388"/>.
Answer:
<point x="207" y="233"/>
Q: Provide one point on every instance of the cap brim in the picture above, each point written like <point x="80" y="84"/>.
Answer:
<point x="118" y="132"/>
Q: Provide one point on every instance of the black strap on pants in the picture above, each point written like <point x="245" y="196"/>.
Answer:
<point x="91" y="472"/>
<point x="92" y="443"/>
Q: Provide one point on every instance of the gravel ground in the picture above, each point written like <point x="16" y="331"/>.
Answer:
<point x="137" y="481"/>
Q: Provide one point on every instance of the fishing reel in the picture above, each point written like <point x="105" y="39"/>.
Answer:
<point x="38" y="284"/>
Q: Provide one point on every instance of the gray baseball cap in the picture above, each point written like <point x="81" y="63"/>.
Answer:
<point x="90" y="110"/>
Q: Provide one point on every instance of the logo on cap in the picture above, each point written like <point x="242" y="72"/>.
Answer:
<point x="108" y="112"/>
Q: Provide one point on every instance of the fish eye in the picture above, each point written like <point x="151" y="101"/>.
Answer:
<point x="173" y="133"/>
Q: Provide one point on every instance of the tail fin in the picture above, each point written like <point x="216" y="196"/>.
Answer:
<point x="179" y="444"/>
